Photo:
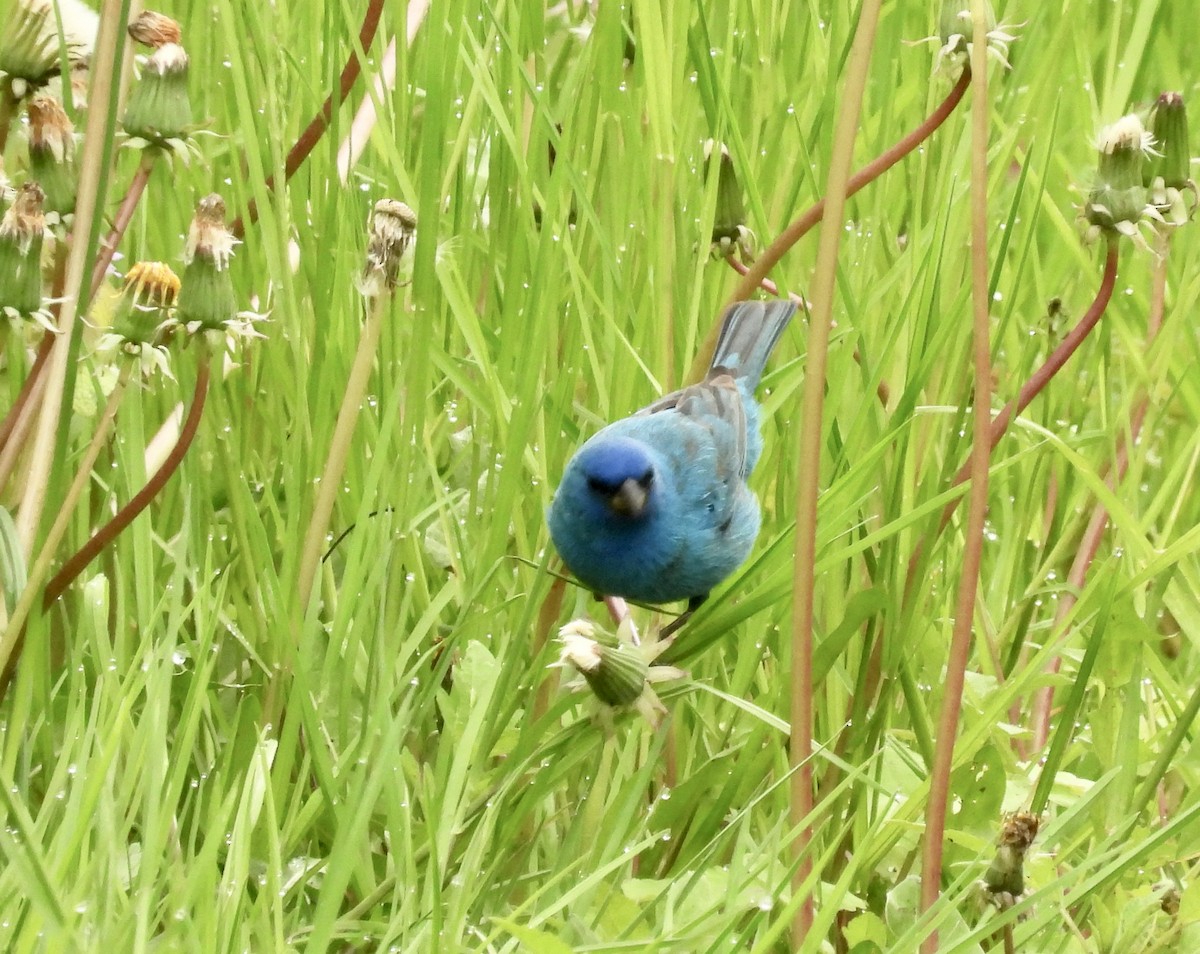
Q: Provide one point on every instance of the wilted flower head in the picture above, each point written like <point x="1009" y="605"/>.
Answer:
<point x="22" y="231"/>
<point x="144" y="316"/>
<point x="1117" y="202"/>
<point x="955" y="36"/>
<point x="1168" y="173"/>
<point x="160" y="111"/>
<point x="52" y="151"/>
<point x="29" y="42"/>
<point x="391" y="230"/>
<point x="729" y="232"/>
<point x="616" y="670"/>
<point x="1004" y="881"/>
<point x="154" y="29"/>
<point x="206" y="299"/>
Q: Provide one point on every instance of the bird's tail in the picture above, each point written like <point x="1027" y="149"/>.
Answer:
<point x="750" y="331"/>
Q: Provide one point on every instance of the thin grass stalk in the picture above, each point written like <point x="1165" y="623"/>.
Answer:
<point x="29" y="400"/>
<point x="385" y="81"/>
<point x="968" y="582"/>
<point x="1089" y="545"/>
<point x="11" y="452"/>
<point x="1066" y="727"/>
<point x="108" y="248"/>
<point x="141" y="500"/>
<point x="105" y="64"/>
<point x="808" y="470"/>
<point x="21" y="406"/>
<point x="13" y="638"/>
<point x="882" y="390"/>
<point x="339" y="449"/>
<point x="771" y="256"/>
<point x="1181" y="734"/>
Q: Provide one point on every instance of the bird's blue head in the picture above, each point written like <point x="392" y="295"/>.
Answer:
<point x="619" y="474"/>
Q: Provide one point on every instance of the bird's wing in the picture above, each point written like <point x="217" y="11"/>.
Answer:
<point x="715" y="405"/>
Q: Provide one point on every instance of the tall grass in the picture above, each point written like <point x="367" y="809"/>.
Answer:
<point x="193" y="758"/>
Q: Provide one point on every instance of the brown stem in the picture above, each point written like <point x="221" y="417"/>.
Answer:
<point x="1089" y="545"/>
<point x="981" y="448"/>
<point x="752" y="278"/>
<point x="1042" y="376"/>
<point x="108" y="248"/>
<point x="315" y="129"/>
<point x="867" y="174"/>
<point x="125" y="516"/>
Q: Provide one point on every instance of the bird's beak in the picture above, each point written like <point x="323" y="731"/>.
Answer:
<point x="630" y="498"/>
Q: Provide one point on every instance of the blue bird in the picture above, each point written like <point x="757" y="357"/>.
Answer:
<point x="655" y="507"/>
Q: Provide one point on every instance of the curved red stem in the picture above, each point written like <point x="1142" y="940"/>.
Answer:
<point x="125" y="516"/>
<point x="868" y="173"/>
<point x="320" y="122"/>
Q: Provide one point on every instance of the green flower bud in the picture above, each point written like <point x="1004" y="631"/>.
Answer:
<point x="729" y="221"/>
<point x="955" y="33"/>
<point x="52" y="151"/>
<point x="1118" y="199"/>
<point x="206" y="297"/>
<point x="21" y="234"/>
<point x="390" y="231"/>
<point x="1168" y="123"/>
<point x="159" y="107"/>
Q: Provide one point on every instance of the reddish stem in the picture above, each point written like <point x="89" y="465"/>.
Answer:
<point x="125" y="516"/>
<point x="868" y="173"/>
<point x="315" y="129"/>
<point x="1042" y="376"/>
<point x="35" y="372"/>
<point x="1089" y="544"/>
<point x="45" y="347"/>
<point x="108" y="248"/>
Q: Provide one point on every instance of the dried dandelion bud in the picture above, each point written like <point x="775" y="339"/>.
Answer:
<point x="391" y="231"/>
<point x="29" y="42"/>
<point x="1005" y="878"/>
<point x="21" y="233"/>
<point x="159" y="107"/>
<point x="154" y="29"/>
<point x="615" y="671"/>
<point x="206" y="299"/>
<point x="618" y="671"/>
<point x="729" y="232"/>
<point x="1117" y="200"/>
<point x="52" y="151"/>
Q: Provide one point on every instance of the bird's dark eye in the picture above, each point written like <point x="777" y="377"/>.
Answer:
<point x="602" y="486"/>
<point x="647" y="478"/>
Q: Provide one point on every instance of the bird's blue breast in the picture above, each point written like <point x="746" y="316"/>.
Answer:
<point x="700" y="523"/>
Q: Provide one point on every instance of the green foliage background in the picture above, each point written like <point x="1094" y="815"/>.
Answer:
<point x="429" y="787"/>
